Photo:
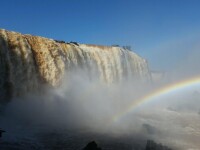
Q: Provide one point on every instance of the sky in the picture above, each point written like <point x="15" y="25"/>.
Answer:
<point x="164" y="32"/>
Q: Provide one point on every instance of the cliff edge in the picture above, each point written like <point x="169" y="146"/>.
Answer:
<point x="27" y="62"/>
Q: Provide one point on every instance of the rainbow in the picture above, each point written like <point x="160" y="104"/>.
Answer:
<point x="163" y="91"/>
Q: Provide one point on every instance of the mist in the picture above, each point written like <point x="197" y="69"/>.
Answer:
<point x="81" y="105"/>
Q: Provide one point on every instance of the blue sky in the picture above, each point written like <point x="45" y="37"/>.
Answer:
<point x="162" y="31"/>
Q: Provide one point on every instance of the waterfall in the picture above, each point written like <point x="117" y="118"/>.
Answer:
<point x="27" y="62"/>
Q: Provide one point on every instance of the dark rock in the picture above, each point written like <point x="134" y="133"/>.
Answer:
<point x="1" y="131"/>
<point x="151" y="145"/>
<point x="115" y="45"/>
<point x="75" y="43"/>
<point x="58" y="41"/>
<point x="127" y="47"/>
<point x="92" y="146"/>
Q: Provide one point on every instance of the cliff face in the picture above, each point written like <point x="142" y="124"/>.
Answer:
<point x="27" y="62"/>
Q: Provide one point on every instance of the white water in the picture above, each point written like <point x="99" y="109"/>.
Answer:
<point x="29" y="62"/>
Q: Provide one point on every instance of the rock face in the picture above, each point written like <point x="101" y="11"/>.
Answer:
<point x="92" y="146"/>
<point x="1" y="131"/>
<point x="27" y="62"/>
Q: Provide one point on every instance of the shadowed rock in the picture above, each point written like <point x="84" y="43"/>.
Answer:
<point x="58" y="41"/>
<point x="1" y="131"/>
<point x="92" y="146"/>
<point x="75" y="43"/>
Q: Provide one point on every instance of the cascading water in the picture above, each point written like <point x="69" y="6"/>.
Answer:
<point x="27" y="62"/>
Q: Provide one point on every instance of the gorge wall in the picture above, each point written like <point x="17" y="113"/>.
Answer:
<point x="27" y="62"/>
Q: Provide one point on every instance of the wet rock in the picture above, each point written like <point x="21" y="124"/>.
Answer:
<point x="1" y="131"/>
<point x="92" y="146"/>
